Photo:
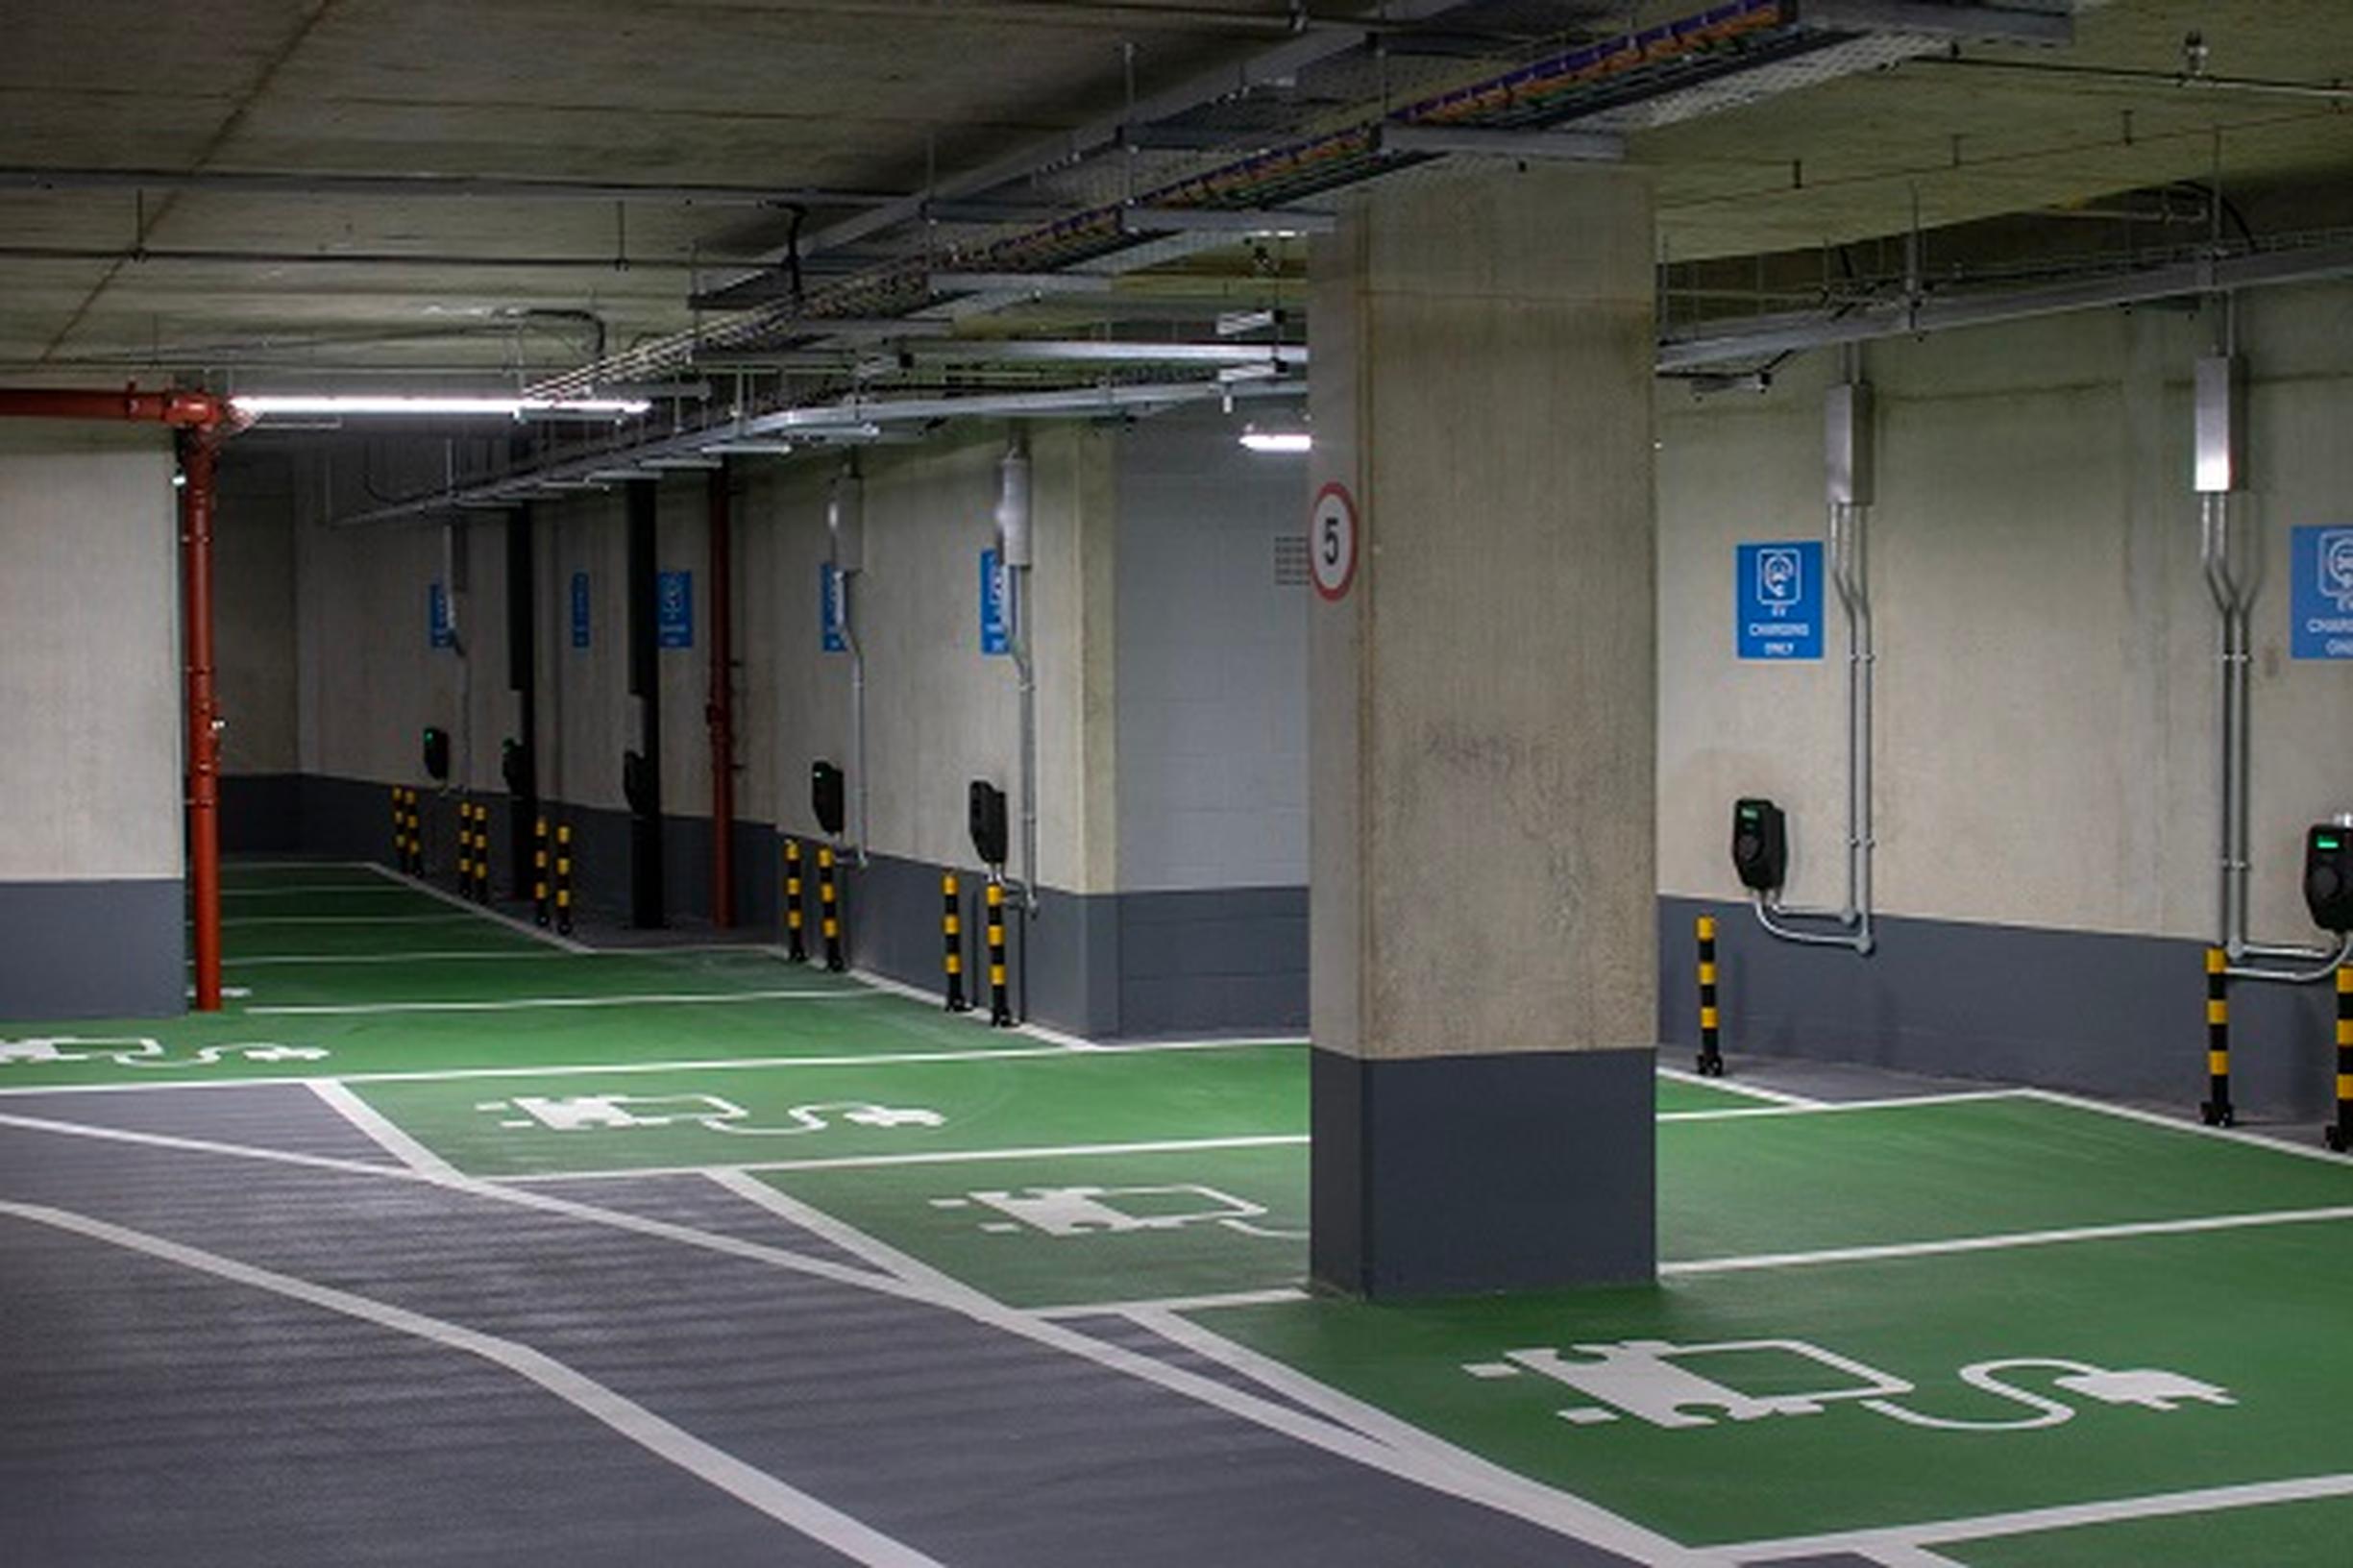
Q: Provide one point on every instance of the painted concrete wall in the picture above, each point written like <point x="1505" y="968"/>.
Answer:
<point x="2046" y="748"/>
<point x="90" y="855"/>
<point x="1212" y="661"/>
<point x="254" y="628"/>
<point x="89" y="652"/>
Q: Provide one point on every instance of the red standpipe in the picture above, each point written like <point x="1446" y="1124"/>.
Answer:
<point x="719" y="712"/>
<point x="202" y="419"/>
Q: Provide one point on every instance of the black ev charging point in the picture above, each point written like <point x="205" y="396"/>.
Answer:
<point x="436" y="753"/>
<point x="515" y="767"/>
<point x="827" y="796"/>
<point x="1760" y="845"/>
<point x="2328" y="877"/>
<point x="985" y="818"/>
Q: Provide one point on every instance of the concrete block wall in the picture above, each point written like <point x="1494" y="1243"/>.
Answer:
<point x="91" y="853"/>
<point x="2046" y="751"/>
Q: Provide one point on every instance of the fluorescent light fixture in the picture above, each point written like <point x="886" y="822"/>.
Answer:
<point x="399" y="406"/>
<point x="1278" y="441"/>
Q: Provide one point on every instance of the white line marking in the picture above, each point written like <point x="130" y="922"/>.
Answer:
<point x="428" y="1075"/>
<point x="242" y="920"/>
<point x="1753" y="1090"/>
<point x="1560" y="1512"/>
<point x="509" y="954"/>
<point x="2228" y="1135"/>
<point x="293" y="888"/>
<point x="381" y="1129"/>
<point x="714" y="1467"/>
<point x="527" y="1004"/>
<point x="2005" y="1242"/>
<point x="1909" y="1556"/>
<point x="1819" y="1107"/>
<point x="2037" y="1521"/>
<point x="1280" y="1295"/>
<point x="848" y="1237"/>
<point x="943" y="1157"/>
<point x="1530" y="1499"/>
<point x="979" y="1017"/>
<point x="480" y="911"/>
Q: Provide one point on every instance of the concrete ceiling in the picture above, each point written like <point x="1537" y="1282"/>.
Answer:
<point x="870" y="98"/>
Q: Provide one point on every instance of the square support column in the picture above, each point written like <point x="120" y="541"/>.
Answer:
<point x="1483" y="687"/>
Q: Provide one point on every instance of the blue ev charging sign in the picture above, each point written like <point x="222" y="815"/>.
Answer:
<point x="2321" y="570"/>
<point x="1777" y="596"/>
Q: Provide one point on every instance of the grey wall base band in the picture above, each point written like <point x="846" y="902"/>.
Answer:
<point x="94" y="949"/>
<point x="2118" y="1017"/>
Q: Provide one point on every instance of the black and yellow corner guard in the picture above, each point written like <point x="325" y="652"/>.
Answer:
<point x="1000" y="997"/>
<point x="829" y="909"/>
<point x="1711" y="1018"/>
<point x="543" y="908"/>
<point x="951" y="928"/>
<point x="796" y="943"/>
<point x="2340" y="1132"/>
<point x="563" y="879"/>
<point x="2217" y="1110"/>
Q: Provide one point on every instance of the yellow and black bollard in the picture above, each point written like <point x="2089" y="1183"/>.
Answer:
<point x="951" y="926"/>
<point x="482" y="854"/>
<point x="2216" y="1111"/>
<point x="416" y="835"/>
<point x="1000" y="1002"/>
<point x="540" y="905"/>
<point x="400" y="831"/>
<point x="563" y="879"/>
<point x="829" y="909"/>
<point x="1711" y="1037"/>
<point x="2340" y="1136"/>
<point x="795" y="945"/>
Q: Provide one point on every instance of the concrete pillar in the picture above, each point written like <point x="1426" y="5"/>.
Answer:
<point x="1483" y="970"/>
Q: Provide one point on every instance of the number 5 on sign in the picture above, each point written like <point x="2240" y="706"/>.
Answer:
<point x="1332" y="541"/>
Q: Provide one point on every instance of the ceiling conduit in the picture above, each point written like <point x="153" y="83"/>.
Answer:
<point x="201" y="421"/>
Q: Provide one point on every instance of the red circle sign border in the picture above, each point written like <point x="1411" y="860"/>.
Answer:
<point x="1356" y="528"/>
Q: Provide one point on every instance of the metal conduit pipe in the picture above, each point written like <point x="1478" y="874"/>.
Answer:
<point x="846" y="525"/>
<point x="1848" y="463"/>
<point x="2221" y="452"/>
<point x="1014" y="515"/>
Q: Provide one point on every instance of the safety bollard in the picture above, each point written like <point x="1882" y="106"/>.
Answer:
<point x="482" y="854"/>
<point x="2340" y="1136"/>
<point x="416" y="835"/>
<point x="563" y="879"/>
<point x="400" y="832"/>
<point x="796" y="944"/>
<point x="829" y="909"/>
<point x="540" y="909"/>
<point x="1711" y="1034"/>
<point x="2216" y="1111"/>
<point x="951" y="926"/>
<point x="1000" y="1002"/>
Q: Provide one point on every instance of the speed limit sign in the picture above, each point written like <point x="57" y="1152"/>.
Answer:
<point x="1332" y="541"/>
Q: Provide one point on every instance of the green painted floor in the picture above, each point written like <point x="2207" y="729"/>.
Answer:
<point x="1910" y="1331"/>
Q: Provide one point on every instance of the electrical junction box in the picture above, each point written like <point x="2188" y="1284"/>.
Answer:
<point x="826" y="796"/>
<point x="985" y="817"/>
<point x="438" y="754"/>
<point x="2328" y="877"/>
<point x="1760" y="845"/>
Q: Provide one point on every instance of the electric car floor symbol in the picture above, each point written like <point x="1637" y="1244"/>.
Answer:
<point x="630" y="1113"/>
<point x="1118" y="1210"/>
<point x="138" y="1051"/>
<point x="1649" y="1381"/>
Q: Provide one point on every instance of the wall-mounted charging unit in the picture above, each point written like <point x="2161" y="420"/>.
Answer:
<point x="1760" y="845"/>
<point x="2328" y="877"/>
<point x="436" y="753"/>
<point x="637" y="786"/>
<point x="515" y="767"/>
<point x="827" y="796"/>
<point x="985" y="818"/>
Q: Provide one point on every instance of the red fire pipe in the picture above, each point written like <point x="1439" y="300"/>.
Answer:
<point x="200" y="419"/>
<point x="719" y="711"/>
<point x="196" y="496"/>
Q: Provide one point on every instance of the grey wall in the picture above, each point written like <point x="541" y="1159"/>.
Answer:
<point x="1212" y="661"/>
<point x="90" y="858"/>
<point x="2045" y="754"/>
